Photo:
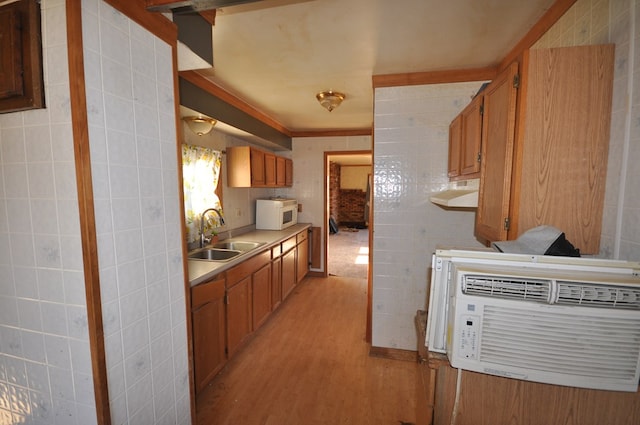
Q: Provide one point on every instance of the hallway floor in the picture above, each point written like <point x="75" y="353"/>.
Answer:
<point x="349" y="253"/>
<point x="309" y="365"/>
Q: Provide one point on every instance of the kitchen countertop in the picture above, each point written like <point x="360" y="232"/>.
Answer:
<point x="202" y="270"/>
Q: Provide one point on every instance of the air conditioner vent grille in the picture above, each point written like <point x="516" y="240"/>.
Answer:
<point x="507" y="287"/>
<point x="593" y="295"/>
<point x="586" y="345"/>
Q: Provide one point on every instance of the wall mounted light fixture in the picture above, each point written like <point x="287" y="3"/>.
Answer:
<point x="330" y="99"/>
<point x="199" y="125"/>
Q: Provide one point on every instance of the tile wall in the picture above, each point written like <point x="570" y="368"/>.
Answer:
<point x="410" y="162"/>
<point x="134" y="160"/>
<point x="613" y="21"/>
<point x="45" y="365"/>
<point x="309" y="174"/>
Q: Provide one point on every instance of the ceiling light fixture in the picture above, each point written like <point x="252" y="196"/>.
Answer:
<point x="330" y="99"/>
<point x="200" y="125"/>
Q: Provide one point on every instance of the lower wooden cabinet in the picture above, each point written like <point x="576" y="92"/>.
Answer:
<point x="226" y="310"/>
<point x="487" y="399"/>
<point x="208" y="321"/>
<point x="239" y="314"/>
<point x="288" y="272"/>
<point x="261" y="295"/>
<point x="276" y="277"/>
<point x="302" y="256"/>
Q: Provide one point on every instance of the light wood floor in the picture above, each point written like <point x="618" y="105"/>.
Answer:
<point x="309" y="365"/>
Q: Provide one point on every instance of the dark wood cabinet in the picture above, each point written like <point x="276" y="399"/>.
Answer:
<point x="21" y="80"/>
<point x="208" y="321"/>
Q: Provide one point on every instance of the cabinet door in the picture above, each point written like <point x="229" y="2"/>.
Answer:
<point x="471" y="138"/>
<point x="302" y="260"/>
<point x="208" y="322"/>
<point x="288" y="170"/>
<point x="257" y="168"/>
<point x="288" y="272"/>
<point x="261" y="295"/>
<point x="281" y="171"/>
<point x="276" y="282"/>
<point x="455" y="144"/>
<point x="239" y="323"/>
<point x="498" y="133"/>
<point x="269" y="169"/>
<point x="565" y="143"/>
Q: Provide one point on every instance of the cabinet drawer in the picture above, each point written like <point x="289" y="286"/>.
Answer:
<point x="289" y="243"/>
<point x="276" y="251"/>
<point x="302" y="236"/>
<point x="237" y="273"/>
<point x="207" y="292"/>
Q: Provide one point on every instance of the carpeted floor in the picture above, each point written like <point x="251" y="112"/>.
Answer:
<point x="349" y="253"/>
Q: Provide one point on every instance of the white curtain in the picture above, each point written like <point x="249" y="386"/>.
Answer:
<point x="200" y="173"/>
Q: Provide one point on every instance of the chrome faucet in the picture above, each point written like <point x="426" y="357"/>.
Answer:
<point x="202" y="217"/>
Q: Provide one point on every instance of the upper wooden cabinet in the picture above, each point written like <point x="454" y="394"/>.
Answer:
<point x="465" y="139"/>
<point x="269" y="169"/>
<point x="288" y="172"/>
<point x="251" y="167"/>
<point x="455" y="146"/>
<point x="21" y="83"/>
<point x="471" y="138"/>
<point x="497" y="153"/>
<point x="547" y="163"/>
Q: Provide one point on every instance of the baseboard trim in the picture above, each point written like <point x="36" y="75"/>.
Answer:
<point x="394" y="354"/>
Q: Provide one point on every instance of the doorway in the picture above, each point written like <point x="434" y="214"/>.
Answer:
<point x="347" y="206"/>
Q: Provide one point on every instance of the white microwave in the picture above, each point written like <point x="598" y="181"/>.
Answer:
<point x="276" y="213"/>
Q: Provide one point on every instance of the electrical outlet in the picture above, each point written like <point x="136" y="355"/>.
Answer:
<point x="238" y="212"/>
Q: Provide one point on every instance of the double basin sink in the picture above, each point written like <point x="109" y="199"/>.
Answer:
<point x="223" y="251"/>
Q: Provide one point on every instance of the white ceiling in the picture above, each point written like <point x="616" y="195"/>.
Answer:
<point x="277" y="54"/>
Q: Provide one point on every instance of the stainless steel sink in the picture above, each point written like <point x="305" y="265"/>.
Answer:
<point x="242" y="246"/>
<point x="213" y="254"/>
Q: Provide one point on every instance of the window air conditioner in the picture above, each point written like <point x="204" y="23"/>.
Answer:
<point x="574" y="323"/>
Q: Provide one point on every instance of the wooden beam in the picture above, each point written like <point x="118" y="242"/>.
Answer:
<point x="197" y="5"/>
<point x="208" y="86"/>
<point x="155" y="23"/>
<point x="434" y="77"/>
<point x="333" y="133"/>
<point x="80" y="128"/>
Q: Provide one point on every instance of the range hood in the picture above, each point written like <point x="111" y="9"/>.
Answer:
<point x="459" y="194"/>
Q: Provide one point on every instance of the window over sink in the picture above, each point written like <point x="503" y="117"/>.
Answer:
<point x="201" y="178"/>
